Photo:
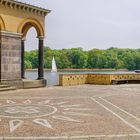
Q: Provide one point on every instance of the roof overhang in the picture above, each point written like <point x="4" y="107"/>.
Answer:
<point x="25" y="7"/>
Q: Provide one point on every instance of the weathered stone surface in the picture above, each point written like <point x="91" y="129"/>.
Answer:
<point x="87" y="112"/>
<point x="10" y="58"/>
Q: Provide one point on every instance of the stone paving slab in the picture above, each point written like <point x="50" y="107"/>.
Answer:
<point x="57" y="117"/>
<point x="129" y="103"/>
<point x="78" y="112"/>
<point x="72" y="91"/>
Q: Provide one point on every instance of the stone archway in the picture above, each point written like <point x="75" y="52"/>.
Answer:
<point x="23" y="28"/>
<point x="19" y="17"/>
<point x="26" y="24"/>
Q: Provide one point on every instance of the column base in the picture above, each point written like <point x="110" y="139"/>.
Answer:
<point x="24" y="78"/>
<point x="17" y="83"/>
<point x="34" y="83"/>
<point x="40" y="78"/>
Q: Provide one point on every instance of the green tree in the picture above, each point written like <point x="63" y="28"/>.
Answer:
<point x="28" y="64"/>
<point x="32" y="56"/>
<point x="96" y="59"/>
<point x="78" y="58"/>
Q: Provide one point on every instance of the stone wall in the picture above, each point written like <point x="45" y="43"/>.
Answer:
<point x="10" y="56"/>
<point x="103" y="79"/>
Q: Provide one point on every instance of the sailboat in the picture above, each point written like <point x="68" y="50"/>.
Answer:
<point x="54" y="67"/>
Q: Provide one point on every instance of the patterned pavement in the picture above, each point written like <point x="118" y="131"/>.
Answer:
<point x="76" y="112"/>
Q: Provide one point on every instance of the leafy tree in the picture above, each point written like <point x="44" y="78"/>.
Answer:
<point x="32" y="56"/>
<point x="96" y="59"/>
<point x="78" y="58"/>
<point x="28" y="64"/>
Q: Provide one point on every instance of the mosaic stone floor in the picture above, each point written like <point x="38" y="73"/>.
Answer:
<point x="77" y="112"/>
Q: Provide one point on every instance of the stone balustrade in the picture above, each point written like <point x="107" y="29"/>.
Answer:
<point x="103" y="79"/>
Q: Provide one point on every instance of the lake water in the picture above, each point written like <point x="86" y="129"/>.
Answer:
<point x="53" y="78"/>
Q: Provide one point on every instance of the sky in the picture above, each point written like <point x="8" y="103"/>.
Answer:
<point x="89" y="24"/>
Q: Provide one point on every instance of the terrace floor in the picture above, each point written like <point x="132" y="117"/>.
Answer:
<point x="93" y="112"/>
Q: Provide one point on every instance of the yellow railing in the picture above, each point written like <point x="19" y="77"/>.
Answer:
<point x="106" y="79"/>
<point x="73" y="79"/>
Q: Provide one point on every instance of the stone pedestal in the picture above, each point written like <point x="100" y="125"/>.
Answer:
<point x="10" y="56"/>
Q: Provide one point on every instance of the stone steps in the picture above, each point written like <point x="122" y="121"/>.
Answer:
<point x="6" y="88"/>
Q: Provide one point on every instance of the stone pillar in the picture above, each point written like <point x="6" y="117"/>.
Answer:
<point x="10" y="58"/>
<point x="22" y="58"/>
<point x="0" y="54"/>
<point x="41" y="58"/>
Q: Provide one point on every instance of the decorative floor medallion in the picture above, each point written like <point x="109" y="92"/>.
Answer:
<point x="41" y="117"/>
<point x="39" y="111"/>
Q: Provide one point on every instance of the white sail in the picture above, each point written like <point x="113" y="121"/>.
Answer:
<point x="54" y="68"/>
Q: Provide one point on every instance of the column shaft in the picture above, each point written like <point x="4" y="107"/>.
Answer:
<point x="22" y="59"/>
<point x="41" y="59"/>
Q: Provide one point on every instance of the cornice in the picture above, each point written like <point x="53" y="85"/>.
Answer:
<point x="10" y="34"/>
<point x="13" y="4"/>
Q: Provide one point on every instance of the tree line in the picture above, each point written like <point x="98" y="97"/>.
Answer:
<point x="115" y="58"/>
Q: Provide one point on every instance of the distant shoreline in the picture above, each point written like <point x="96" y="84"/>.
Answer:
<point x="59" y="70"/>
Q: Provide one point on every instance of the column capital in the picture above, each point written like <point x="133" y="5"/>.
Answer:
<point x="40" y="37"/>
<point x="23" y="39"/>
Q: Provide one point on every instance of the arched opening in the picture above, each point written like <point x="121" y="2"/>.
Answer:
<point x="23" y="29"/>
<point x="27" y="24"/>
<point x="31" y="59"/>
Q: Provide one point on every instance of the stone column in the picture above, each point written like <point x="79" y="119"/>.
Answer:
<point x="22" y="58"/>
<point x="41" y="58"/>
